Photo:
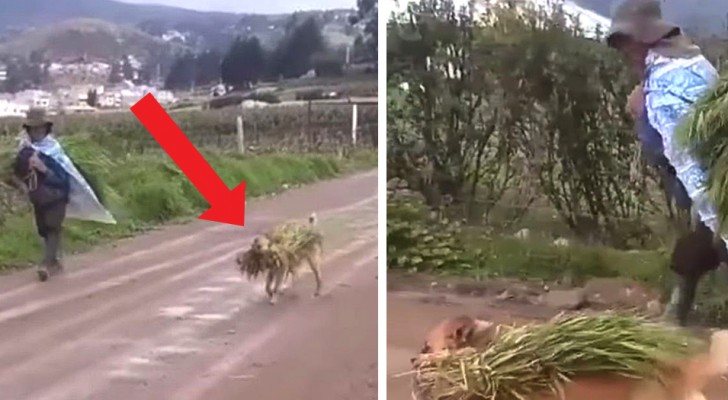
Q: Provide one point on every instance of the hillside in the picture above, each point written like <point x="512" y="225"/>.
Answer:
<point x="195" y="29"/>
<point x="93" y="38"/>
<point x="35" y="13"/>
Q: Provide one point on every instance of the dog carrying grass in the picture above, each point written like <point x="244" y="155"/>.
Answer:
<point x="626" y="358"/>
<point x="280" y="253"/>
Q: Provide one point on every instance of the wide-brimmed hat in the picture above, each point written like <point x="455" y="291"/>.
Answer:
<point x="640" y="20"/>
<point x="36" y="117"/>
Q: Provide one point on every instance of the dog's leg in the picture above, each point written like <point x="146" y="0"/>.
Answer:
<point x="315" y="268"/>
<point x="279" y="276"/>
<point x="269" y="285"/>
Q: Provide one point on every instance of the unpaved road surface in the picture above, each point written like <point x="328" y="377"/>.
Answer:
<point x="413" y="309"/>
<point x="167" y="315"/>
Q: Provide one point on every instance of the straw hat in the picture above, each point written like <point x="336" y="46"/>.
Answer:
<point x="36" y="117"/>
<point x="640" y="20"/>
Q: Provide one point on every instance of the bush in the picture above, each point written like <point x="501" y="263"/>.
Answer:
<point x="416" y="246"/>
<point x="328" y="68"/>
<point x="311" y="94"/>
<point x="265" y="97"/>
<point x="228" y="100"/>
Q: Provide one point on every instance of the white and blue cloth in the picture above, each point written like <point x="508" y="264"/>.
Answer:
<point x="671" y="87"/>
<point x="83" y="203"/>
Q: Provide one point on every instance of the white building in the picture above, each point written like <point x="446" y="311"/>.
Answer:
<point x="3" y="72"/>
<point x="34" y="98"/>
<point x="10" y="108"/>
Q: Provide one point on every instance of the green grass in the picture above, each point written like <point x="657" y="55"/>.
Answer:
<point x="146" y="191"/>
<point x="534" y="259"/>
<point x="476" y="252"/>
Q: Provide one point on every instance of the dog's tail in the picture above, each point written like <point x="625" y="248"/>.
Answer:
<point x="312" y="219"/>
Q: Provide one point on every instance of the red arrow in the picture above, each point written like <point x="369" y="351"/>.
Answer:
<point x="226" y="206"/>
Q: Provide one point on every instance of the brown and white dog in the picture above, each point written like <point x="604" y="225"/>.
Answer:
<point x="688" y="382"/>
<point x="260" y="259"/>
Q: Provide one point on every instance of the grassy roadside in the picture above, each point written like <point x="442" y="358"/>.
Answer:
<point x="146" y="191"/>
<point x="416" y="245"/>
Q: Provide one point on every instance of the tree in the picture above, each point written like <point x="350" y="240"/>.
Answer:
<point x="328" y="65"/>
<point x="244" y="63"/>
<point x="207" y="67"/>
<point x="117" y="74"/>
<point x="127" y="70"/>
<point x="92" y="98"/>
<point x="23" y="74"/>
<point x="294" y="54"/>
<point x="367" y="14"/>
<point x="182" y="74"/>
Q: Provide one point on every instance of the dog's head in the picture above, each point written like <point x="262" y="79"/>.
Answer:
<point x="260" y="243"/>
<point x="459" y="333"/>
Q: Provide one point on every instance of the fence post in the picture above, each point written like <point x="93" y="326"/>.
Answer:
<point x="241" y="135"/>
<point x="354" y="115"/>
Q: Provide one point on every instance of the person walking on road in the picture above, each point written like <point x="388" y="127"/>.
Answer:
<point x="47" y="185"/>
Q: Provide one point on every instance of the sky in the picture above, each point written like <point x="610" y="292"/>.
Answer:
<point x="253" y="7"/>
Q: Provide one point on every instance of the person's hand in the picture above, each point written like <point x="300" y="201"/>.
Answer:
<point x="636" y="101"/>
<point x="37" y="164"/>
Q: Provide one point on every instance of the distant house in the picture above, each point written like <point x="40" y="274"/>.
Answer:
<point x="10" y="108"/>
<point x="3" y="72"/>
<point x="218" y="90"/>
<point x="34" y="98"/>
<point x="109" y="100"/>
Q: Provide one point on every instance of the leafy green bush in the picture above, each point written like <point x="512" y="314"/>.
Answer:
<point x="418" y="246"/>
<point x="265" y="97"/>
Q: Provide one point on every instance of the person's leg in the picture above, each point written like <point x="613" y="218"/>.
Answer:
<point x="39" y="216"/>
<point x="687" y="287"/>
<point x="54" y="218"/>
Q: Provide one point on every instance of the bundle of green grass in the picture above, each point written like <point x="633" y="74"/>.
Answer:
<point x="542" y="358"/>
<point x="290" y="240"/>
<point x="705" y="134"/>
<point x="283" y="246"/>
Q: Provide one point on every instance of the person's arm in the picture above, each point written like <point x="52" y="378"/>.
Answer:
<point x="53" y="176"/>
<point x="15" y="178"/>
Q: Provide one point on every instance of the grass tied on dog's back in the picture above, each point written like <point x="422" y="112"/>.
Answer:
<point x="541" y="358"/>
<point x="292" y="237"/>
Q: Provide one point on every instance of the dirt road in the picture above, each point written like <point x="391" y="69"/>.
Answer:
<point x="413" y="309"/>
<point x="167" y="315"/>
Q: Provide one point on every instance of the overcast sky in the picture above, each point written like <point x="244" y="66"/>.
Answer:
<point x="253" y="6"/>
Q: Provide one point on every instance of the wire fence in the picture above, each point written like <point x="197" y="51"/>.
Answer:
<point x="312" y="127"/>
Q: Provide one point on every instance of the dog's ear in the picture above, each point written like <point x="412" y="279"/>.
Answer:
<point x="426" y="348"/>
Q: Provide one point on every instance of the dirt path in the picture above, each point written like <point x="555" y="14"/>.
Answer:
<point x="167" y="315"/>
<point x="413" y="309"/>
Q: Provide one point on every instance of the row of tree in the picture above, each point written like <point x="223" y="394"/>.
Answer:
<point x="301" y="49"/>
